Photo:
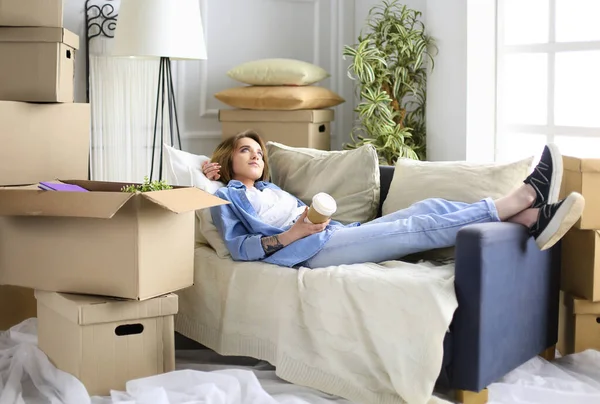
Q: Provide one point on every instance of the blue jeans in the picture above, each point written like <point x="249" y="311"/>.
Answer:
<point x="426" y="225"/>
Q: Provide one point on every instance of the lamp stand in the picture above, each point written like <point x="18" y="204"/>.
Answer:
<point x="165" y="84"/>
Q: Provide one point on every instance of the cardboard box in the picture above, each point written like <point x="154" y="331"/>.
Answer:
<point x="42" y="142"/>
<point x="583" y="176"/>
<point x="580" y="266"/>
<point x="16" y="305"/>
<point x="37" y="64"/>
<point x="105" y="343"/>
<point x="31" y="13"/>
<point x="105" y="242"/>
<point x="302" y="128"/>
<point x="579" y="325"/>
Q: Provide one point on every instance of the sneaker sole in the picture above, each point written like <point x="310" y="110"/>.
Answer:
<point x="557" y="174"/>
<point x="565" y="217"/>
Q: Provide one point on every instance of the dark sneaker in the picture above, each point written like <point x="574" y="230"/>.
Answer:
<point x="547" y="177"/>
<point x="556" y="219"/>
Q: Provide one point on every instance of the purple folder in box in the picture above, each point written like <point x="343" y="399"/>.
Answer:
<point x="49" y="186"/>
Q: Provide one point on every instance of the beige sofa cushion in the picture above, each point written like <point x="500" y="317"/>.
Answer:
<point x="279" y="98"/>
<point x="350" y="176"/>
<point x="458" y="181"/>
<point x="414" y="181"/>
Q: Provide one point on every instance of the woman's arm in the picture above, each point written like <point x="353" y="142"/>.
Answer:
<point x="300" y="229"/>
<point x="241" y="245"/>
<point x="254" y="247"/>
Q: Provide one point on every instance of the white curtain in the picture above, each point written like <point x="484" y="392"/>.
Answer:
<point x="123" y="102"/>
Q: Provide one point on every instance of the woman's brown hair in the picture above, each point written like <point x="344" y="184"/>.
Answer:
<point x="223" y="155"/>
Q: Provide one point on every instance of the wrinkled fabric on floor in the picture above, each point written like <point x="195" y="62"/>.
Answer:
<point x="203" y="377"/>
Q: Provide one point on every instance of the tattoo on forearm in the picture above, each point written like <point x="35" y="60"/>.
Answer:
<point x="271" y="244"/>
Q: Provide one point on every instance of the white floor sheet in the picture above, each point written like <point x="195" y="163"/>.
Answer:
<point x="203" y="377"/>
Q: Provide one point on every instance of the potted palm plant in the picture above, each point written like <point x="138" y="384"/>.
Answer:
<point x="390" y="63"/>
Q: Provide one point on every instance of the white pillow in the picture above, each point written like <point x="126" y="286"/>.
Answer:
<point x="278" y="72"/>
<point x="350" y="176"/>
<point x="458" y="181"/>
<point x="185" y="169"/>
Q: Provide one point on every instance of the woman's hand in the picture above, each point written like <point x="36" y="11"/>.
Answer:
<point x="211" y="170"/>
<point x="301" y="229"/>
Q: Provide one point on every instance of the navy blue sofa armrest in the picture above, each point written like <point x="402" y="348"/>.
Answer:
<point x="508" y="293"/>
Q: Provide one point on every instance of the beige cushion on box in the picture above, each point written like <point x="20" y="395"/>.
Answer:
<point x="278" y="72"/>
<point x="459" y="181"/>
<point x="350" y="176"/>
<point x="279" y="97"/>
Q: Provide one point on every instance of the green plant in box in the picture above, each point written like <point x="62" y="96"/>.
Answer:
<point x="390" y="64"/>
<point x="147" y="186"/>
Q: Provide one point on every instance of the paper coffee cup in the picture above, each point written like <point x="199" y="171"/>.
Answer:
<point x="323" y="206"/>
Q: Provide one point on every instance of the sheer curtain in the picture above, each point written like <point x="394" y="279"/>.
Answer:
<point x="123" y="100"/>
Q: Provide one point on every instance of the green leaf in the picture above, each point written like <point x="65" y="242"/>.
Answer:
<point x="389" y="66"/>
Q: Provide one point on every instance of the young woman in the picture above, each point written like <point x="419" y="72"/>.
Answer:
<point x="265" y="223"/>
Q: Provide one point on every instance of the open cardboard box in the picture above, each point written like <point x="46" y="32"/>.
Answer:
<point x="104" y="242"/>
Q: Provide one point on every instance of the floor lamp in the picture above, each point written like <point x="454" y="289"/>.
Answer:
<point x="166" y="30"/>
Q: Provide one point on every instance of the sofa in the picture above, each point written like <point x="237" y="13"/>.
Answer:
<point x="508" y="296"/>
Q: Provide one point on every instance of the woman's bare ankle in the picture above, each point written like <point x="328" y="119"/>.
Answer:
<point x="527" y="218"/>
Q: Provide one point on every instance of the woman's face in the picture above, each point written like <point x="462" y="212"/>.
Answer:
<point x="247" y="160"/>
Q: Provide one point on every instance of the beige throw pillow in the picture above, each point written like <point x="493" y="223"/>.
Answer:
<point x="279" y="98"/>
<point x="350" y="176"/>
<point x="278" y="72"/>
<point x="415" y="181"/>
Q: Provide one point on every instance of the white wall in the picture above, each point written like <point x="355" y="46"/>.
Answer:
<point x="460" y="107"/>
<point x="460" y="115"/>
<point x="74" y="20"/>
<point x="461" y="89"/>
<point x="242" y="30"/>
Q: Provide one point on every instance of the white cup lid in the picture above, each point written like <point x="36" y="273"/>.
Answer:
<point x="324" y="204"/>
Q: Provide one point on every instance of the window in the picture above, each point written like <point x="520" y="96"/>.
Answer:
<point x="548" y="77"/>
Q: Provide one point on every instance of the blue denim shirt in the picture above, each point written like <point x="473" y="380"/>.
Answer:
<point x="242" y="230"/>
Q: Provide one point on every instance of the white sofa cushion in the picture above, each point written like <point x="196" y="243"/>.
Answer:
<point x="185" y="169"/>
<point x="459" y="181"/>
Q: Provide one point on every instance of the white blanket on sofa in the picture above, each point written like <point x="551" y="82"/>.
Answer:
<point x="369" y="333"/>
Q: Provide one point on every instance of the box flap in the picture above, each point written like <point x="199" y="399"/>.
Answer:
<point x="39" y="34"/>
<point x="305" y="115"/>
<point x="30" y="201"/>
<point x="583" y="165"/>
<point x="183" y="199"/>
<point x="85" y="309"/>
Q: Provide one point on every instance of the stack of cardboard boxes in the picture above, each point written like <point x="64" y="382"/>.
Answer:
<point x="102" y="263"/>
<point x="580" y="251"/>
<point x="43" y="134"/>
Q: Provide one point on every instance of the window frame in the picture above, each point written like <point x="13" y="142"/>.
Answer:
<point x="551" y="49"/>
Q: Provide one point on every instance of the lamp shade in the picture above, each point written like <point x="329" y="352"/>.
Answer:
<point x="160" y="28"/>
